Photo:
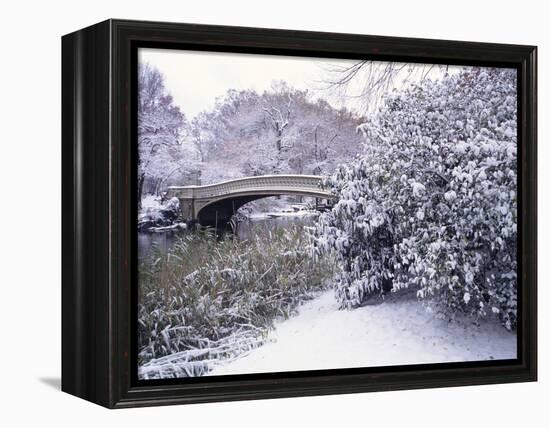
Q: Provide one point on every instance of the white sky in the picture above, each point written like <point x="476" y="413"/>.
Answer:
<point x="195" y="79"/>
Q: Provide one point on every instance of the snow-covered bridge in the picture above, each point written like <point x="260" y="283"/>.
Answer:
<point x="214" y="204"/>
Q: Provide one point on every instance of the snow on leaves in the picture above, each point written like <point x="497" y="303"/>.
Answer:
<point x="432" y="203"/>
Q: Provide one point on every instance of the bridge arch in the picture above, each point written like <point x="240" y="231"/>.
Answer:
<point x="214" y="205"/>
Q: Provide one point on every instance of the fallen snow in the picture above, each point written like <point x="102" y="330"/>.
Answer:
<point x="150" y="201"/>
<point x="175" y="226"/>
<point x="273" y="214"/>
<point x="398" y="331"/>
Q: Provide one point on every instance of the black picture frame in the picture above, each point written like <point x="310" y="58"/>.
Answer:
<point x="99" y="213"/>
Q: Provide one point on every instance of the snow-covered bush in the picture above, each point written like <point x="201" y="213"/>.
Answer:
<point x="432" y="203"/>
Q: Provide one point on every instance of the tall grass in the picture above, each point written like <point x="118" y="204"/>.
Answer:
<point x="208" y="299"/>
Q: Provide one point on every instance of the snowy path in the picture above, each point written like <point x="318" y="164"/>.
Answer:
<point x="398" y="331"/>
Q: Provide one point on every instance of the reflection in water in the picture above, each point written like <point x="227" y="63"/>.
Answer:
<point x="246" y="229"/>
<point x="165" y="240"/>
<point x="161" y="240"/>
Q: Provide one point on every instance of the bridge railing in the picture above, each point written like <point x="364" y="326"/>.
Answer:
<point x="264" y="182"/>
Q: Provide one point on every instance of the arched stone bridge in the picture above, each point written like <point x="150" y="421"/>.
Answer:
<point x="214" y="204"/>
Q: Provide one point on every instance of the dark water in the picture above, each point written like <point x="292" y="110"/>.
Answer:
<point x="165" y="240"/>
<point x="247" y="229"/>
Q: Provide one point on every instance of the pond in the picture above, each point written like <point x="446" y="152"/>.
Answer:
<point x="245" y="229"/>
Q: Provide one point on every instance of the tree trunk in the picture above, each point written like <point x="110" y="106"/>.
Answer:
<point x="141" y="180"/>
<point x="158" y="184"/>
<point x="315" y="147"/>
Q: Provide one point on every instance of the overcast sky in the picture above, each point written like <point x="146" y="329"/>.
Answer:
<point x="195" y="79"/>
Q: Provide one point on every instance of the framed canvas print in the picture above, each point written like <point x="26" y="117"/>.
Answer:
<point x="253" y="213"/>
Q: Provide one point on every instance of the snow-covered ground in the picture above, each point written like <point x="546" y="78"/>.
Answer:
<point x="395" y="332"/>
<point x="275" y="208"/>
<point x="282" y="213"/>
<point x="150" y="201"/>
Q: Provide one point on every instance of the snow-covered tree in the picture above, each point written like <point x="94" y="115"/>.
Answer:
<point x="432" y="203"/>
<point x="160" y="124"/>
<point x="281" y="130"/>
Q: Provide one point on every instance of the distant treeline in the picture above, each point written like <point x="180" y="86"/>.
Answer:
<point x="282" y="130"/>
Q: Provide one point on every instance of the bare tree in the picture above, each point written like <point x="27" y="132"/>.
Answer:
<point x="367" y="80"/>
<point x="279" y="121"/>
<point x="198" y="138"/>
